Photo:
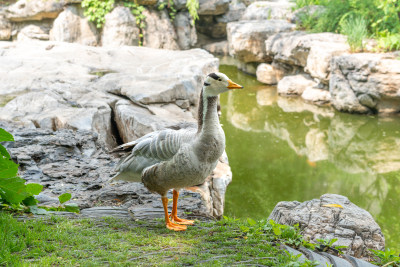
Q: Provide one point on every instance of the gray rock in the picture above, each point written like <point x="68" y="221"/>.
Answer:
<point x="265" y="10"/>
<point x="266" y="74"/>
<point x="57" y="85"/>
<point x="215" y="26"/>
<point x="295" y="84"/>
<point x="159" y="31"/>
<point x="33" y="32"/>
<point x="351" y="225"/>
<point x="213" y="7"/>
<point x="218" y="48"/>
<point x="312" y="51"/>
<point x="316" y="95"/>
<point x="5" y="28"/>
<point x="28" y="10"/>
<point x="364" y="83"/>
<point x="73" y="27"/>
<point x="234" y="13"/>
<point x="120" y="28"/>
<point x="208" y="25"/>
<point x="247" y="38"/>
<point x="186" y="32"/>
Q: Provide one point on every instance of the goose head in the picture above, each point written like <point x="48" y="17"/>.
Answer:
<point x="217" y="83"/>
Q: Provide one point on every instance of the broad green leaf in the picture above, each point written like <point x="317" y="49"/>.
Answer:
<point x="7" y="168"/>
<point x="72" y="207"/>
<point x="4" y="152"/>
<point x="277" y="231"/>
<point x="13" y="189"/>
<point x="38" y="211"/>
<point x="30" y="201"/>
<point x="5" y="136"/>
<point x="64" y="197"/>
<point x="34" y="189"/>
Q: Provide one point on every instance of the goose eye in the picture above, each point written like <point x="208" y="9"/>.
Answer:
<point x="219" y="79"/>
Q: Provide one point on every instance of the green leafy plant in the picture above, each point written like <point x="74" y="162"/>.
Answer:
<point x="15" y="195"/>
<point x="389" y="41"/>
<point x="326" y="245"/>
<point x="193" y="6"/>
<point x="287" y="234"/>
<point x="386" y="258"/>
<point x="137" y="11"/>
<point x="169" y="5"/>
<point x="96" y="10"/>
<point x="13" y="191"/>
<point x="355" y="27"/>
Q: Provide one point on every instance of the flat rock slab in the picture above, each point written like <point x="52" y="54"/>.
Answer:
<point x="55" y="85"/>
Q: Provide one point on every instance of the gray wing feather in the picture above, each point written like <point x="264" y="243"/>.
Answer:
<point x="149" y="150"/>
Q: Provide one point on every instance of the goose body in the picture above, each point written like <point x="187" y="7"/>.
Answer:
<point x="174" y="159"/>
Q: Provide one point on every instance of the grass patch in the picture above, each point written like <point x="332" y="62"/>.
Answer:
<point x="64" y="241"/>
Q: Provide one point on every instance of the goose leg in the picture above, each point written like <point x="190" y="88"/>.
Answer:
<point x="170" y="225"/>
<point x="174" y="212"/>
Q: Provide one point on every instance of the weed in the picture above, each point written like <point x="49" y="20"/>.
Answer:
<point x="355" y="28"/>
<point x="386" y="258"/>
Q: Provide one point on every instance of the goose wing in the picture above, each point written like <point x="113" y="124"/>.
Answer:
<point x="151" y="149"/>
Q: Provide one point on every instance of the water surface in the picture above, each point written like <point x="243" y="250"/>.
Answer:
<point x="282" y="149"/>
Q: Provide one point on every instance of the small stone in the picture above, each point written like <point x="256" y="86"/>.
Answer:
<point x="266" y="74"/>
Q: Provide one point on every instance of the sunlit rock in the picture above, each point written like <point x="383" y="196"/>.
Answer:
<point x="295" y="84"/>
<point x="29" y="10"/>
<point x="120" y="28"/>
<point x="363" y="83"/>
<point x="352" y="226"/>
<point x="247" y="38"/>
<point x="218" y="48"/>
<point x="266" y="74"/>
<point x="73" y="27"/>
<point x="213" y="7"/>
<point x="316" y="95"/>
<point x="265" y="10"/>
<point x="61" y="85"/>
<point x="33" y="32"/>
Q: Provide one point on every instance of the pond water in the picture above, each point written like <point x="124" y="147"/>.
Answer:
<point x="282" y="149"/>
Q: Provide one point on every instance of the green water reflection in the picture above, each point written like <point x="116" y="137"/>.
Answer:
<point x="282" y="149"/>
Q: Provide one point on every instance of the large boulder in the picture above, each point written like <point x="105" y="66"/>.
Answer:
<point x="159" y="31"/>
<point x="266" y="74"/>
<point x="311" y="51"/>
<point x="185" y="30"/>
<point x="32" y="31"/>
<point x="61" y="85"/>
<point x="73" y="27"/>
<point x="265" y="10"/>
<point x="28" y="10"/>
<point x="364" y="83"/>
<point x="120" y="28"/>
<point x="213" y="7"/>
<point x="247" y="38"/>
<point x="353" y="226"/>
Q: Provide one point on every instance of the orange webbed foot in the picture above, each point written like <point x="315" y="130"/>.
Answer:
<point x="175" y="227"/>
<point x="181" y="221"/>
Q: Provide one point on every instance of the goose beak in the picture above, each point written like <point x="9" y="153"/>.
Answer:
<point x="232" y="85"/>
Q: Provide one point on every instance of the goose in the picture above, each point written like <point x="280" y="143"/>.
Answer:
<point x="174" y="159"/>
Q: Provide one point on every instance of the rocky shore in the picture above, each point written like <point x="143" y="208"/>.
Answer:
<point x="262" y="35"/>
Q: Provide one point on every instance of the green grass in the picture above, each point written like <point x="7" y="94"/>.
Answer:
<point x="88" y="242"/>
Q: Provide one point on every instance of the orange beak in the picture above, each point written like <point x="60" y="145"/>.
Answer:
<point x="232" y="85"/>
